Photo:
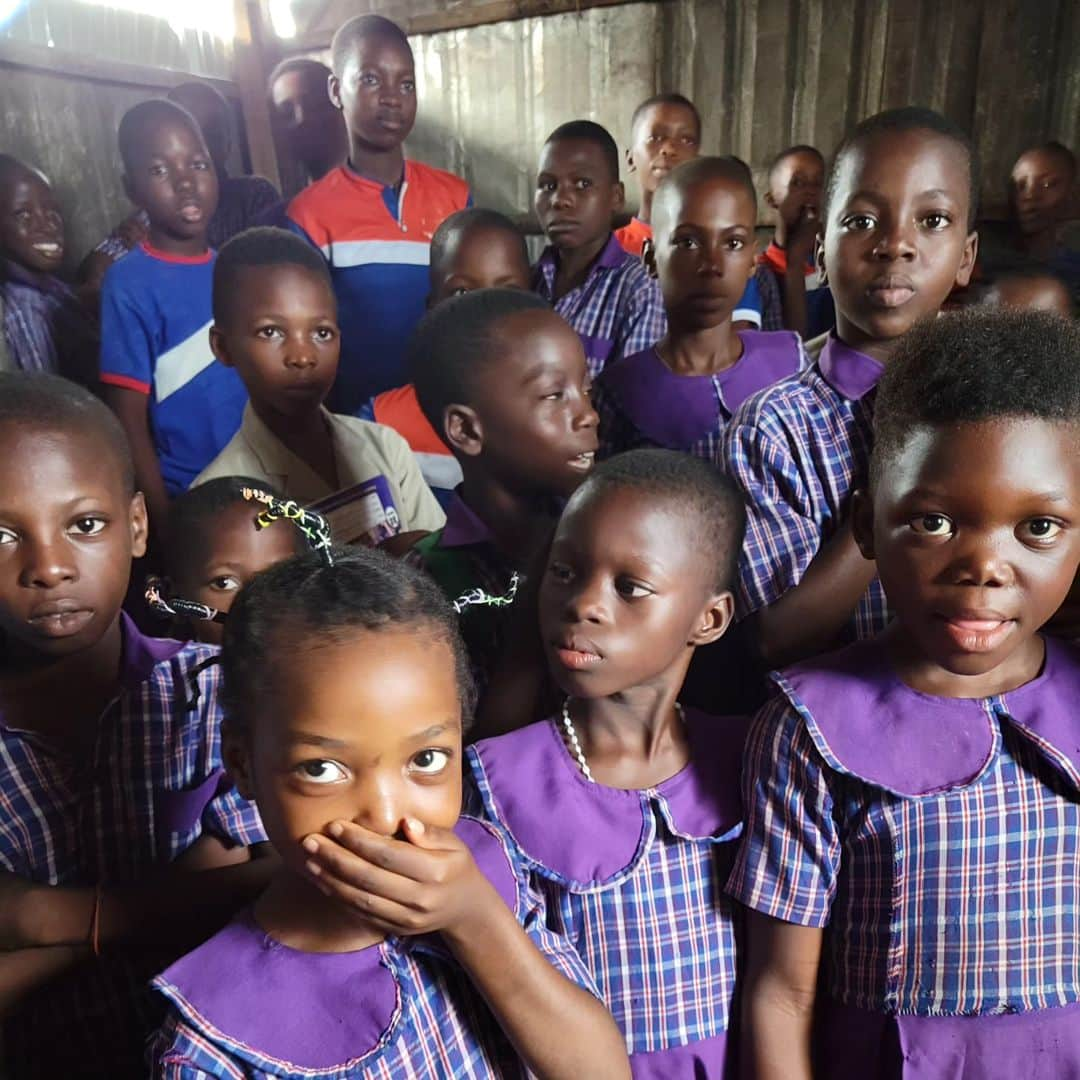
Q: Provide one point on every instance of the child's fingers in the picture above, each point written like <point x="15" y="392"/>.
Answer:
<point x="385" y="913"/>
<point x="335" y="863"/>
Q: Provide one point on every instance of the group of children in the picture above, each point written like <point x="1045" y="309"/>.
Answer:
<point x="512" y="795"/>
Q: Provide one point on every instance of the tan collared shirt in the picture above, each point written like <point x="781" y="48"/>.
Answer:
<point x="363" y="452"/>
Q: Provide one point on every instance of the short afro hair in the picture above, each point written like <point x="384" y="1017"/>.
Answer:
<point x="449" y="234"/>
<point x="304" y="64"/>
<point x="302" y="602"/>
<point x="1056" y="150"/>
<point x="192" y="517"/>
<point x="262" y="246"/>
<point x="35" y="400"/>
<point x="702" y="170"/>
<point x="710" y="504"/>
<point x="456" y="340"/>
<point x="791" y="151"/>
<point x="356" y="29"/>
<point x="145" y="117"/>
<point x="975" y="365"/>
<point x="588" y="131"/>
<point x="664" y="99"/>
<point x="900" y="121"/>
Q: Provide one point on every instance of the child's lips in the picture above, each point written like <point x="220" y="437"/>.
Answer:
<point x="60" y="619"/>
<point x="49" y="249"/>
<point x="891" y="293"/>
<point x="191" y="212"/>
<point x="577" y="655"/>
<point x="583" y="462"/>
<point x="982" y="633"/>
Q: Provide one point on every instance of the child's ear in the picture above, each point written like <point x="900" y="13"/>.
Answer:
<point x="618" y="197"/>
<point x="462" y="430"/>
<point x="333" y="88"/>
<point x="862" y="522"/>
<point x="769" y="201"/>
<point x="714" y="619"/>
<point x="129" y="188"/>
<point x="648" y="257"/>
<point x="140" y="525"/>
<point x="967" y="263"/>
<point x="819" y="257"/>
<point x="219" y="346"/>
<point x="630" y="166"/>
<point x="234" y="753"/>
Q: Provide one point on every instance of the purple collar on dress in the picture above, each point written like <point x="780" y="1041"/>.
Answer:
<point x="585" y="834"/>
<point x="142" y="653"/>
<point x="849" y="372"/>
<point x="865" y="722"/>
<point x="462" y="526"/>
<point x="314" y="1011"/>
<point x="675" y="411"/>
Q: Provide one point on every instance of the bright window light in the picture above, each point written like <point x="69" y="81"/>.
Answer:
<point x="207" y="16"/>
<point x="281" y="18"/>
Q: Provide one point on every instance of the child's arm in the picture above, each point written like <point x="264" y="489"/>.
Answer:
<point x="431" y="883"/>
<point x="799" y="591"/>
<point x="800" y="246"/>
<point x="132" y="408"/>
<point x="809" y="617"/>
<point x="27" y="969"/>
<point x="778" y="999"/>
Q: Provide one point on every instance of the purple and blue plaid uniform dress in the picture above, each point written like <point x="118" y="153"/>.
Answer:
<point x="635" y="880"/>
<point x="938" y="839"/>
<point x="797" y="450"/>
<point x="150" y="784"/>
<point x="244" y="1006"/>
<point x="616" y="311"/>
<point x="642" y="402"/>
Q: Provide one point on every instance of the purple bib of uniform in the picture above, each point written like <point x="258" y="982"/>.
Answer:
<point x="865" y="722"/>
<point x="675" y="411"/>
<point x="310" y="1011"/>
<point x="584" y="834"/>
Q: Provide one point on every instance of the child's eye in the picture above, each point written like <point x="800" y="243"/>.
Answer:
<point x="686" y="243"/>
<point x="560" y="572"/>
<point x="932" y="525"/>
<point x="736" y="243"/>
<point x="158" y="170"/>
<point x="431" y="761"/>
<point x="937" y="221"/>
<point x="1039" y="530"/>
<point x="631" y="590"/>
<point x="22" y="214"/>
<point x="201" y="165"/>
<point x="7" y="537"/>
<point x="545" y="185"/>
<point x="87" y="526"/>
<point x="408" y="86"/>
<point x="858" y="222"/>
<point x="268" y="333"/>
<point x="583" y="184"/>
<point x="369" y="79"/>
<point x="554" y="395"/>
<point x="225" y="583"/>
<point x="322" y="771"/>
<point x="325" y="334"/>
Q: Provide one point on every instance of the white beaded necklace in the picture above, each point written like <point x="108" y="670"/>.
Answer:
<point x="575" y="742"/>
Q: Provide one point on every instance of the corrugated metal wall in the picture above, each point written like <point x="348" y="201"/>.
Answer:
<point x="766" y="73"/>
<point x="65" y="120"/>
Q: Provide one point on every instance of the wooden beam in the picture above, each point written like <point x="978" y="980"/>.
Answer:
<point x="460" y="16"/>
<point x="72" y="65"/>
<point x="250" y="71"/>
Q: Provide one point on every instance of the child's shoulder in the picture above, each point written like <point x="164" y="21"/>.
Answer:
<point x="583" y="834"/>
<point x="865" y="722"/>
<point x="236" y="995"/>
<point x="437" y="180"/>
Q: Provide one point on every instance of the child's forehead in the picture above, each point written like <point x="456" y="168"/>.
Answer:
<point x="702" y="201"/>
<point x="665" y="114"/>
<point x="573" y="154"/>
<point x="21" y="181"/>
<point x="477" y="243"/>
<point x="380" y="50"/>
<point x="798" y="161"/>
<point x="155" y="136"/>
<point x="1040" y="161"/>
<point x="87" y="459"/>
<point x="898" y="155"/>
<point x="253" y="281"/>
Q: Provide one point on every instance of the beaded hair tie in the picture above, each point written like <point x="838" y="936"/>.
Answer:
<point x="311" y="523"/>
<point x="479" y="598"/>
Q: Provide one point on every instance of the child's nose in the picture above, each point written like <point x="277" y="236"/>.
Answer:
<point x="982" y="565"/>
<point x="300" y="354"/>
<point x="896" y="240"/>
<point x="378" y="809"/>
<point x="563" y="195"/>
<point x="586" y="604"/>
<point x="47" y="566"/>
